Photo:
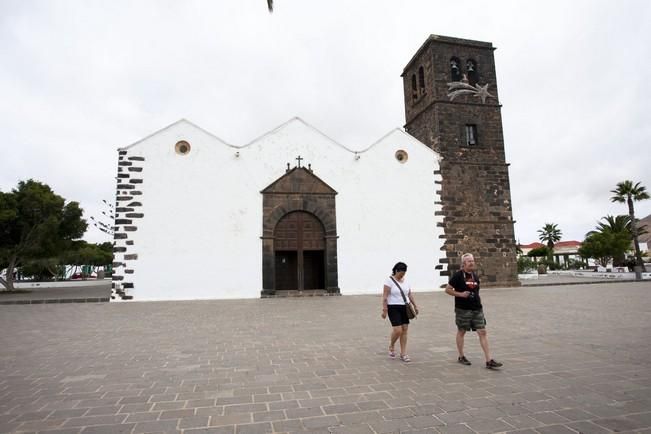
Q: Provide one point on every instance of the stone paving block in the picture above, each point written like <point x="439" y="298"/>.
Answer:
<point x="240" y="399"/>
<point x="389" y="426"/>
<point x="340" y="408"/>
<point x="244" y="408"/>
<point x="298" y="413"/>
<point x="354" y="429"/>
<point x="348" y="399"/>
<point x="588" y="428"/>
<point x="372" y="405"/>
<point x="550" y="417"/>
<point x="143" y="417"/>
<point x="162" y="406"/>
<point x="216" y="430"/>
<point x="231" y="419"/>
<point x="457" y="429"/>
<point x="287" y="425"/>
<point x="135" y="408"/>
<point x="176" y="414"/>
<point x="620" y="424"/>
<point x="454" y="417"/>
<point x="268" y="397"/>
<point x="95" y="420"/>
<point x="521" y="421"/>
<point x="156" y="426"/>
<point x="450" y="406"/>
<point x="37" y="415"/>
<point x="98" y="411"/>
<point x="575" y="414"/>
<point x="555" y="429"/>
<point x="196" y="403"/>
<point x="268" y="416"/>
<point x="255" y="428"/>
<point x="487" y="425"/>
<point x="320" y="422"/>
<point x="424" y="422"/>
<point x="485" y="413"/>
<point x="396" y="413"/>
<point x="37" y="425"/>
<point x="366" y="417"/>
<point x="124" y="428"/>
<point x="194" y="422"/>
<point x="425" y="410"/>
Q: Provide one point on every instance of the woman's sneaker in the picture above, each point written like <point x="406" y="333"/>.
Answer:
<point x="493" y="364"/>
<point x="464" y="361"/>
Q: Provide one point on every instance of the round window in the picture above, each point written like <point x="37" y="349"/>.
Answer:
<point x="402" y="156"/>
<point x="182" y="147"/>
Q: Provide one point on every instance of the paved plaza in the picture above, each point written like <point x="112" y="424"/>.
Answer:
<point x="577" y="359"/>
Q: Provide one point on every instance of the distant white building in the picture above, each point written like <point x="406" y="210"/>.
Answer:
<point x="293" y="212"/>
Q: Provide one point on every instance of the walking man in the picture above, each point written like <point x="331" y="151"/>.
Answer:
<point x="464" y="287"/>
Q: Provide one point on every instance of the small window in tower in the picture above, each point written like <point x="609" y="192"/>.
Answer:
<point x="421" y="80"/>
<point x="471" y="135"/>
<point x="471" y="72"/>
<point x="414" y="87"/>
<point x="455" y="69"/>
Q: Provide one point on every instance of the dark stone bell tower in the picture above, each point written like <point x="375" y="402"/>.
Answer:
<point x="452" y="105"/>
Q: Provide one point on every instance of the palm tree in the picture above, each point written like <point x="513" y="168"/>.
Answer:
<point x="627" y="192"/>
<point x="550" y="234"/>
<point x="618" y="227"/>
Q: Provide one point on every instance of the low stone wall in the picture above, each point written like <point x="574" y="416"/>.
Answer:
<point x="62" y="284"/>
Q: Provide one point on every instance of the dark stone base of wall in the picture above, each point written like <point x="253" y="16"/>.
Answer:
<point x="58" y="300"/>
<point x="294" y="293"/>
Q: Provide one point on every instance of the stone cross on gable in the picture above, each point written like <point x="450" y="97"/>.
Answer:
<point x="299" y="159"/>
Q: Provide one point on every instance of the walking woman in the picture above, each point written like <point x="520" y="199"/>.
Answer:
<point x="393" y="305"/>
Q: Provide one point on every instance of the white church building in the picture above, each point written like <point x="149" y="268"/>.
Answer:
<point x="291" y="213"/>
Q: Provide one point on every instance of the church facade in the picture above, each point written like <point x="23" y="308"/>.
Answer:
<point x="295" y="213"/>
<point x="292" y="212"/>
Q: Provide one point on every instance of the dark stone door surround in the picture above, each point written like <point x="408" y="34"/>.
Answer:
<point x="298" y="190"/>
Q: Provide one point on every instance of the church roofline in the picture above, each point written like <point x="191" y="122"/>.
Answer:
<point x="446" y="40"/>
<point x="180" y="121"/>
<point x="274" y="130"/>
<point x="297" y="119"/>
<point x="400" y="131"/>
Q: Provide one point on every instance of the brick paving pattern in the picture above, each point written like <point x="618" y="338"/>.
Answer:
<point x="577" y="359"/>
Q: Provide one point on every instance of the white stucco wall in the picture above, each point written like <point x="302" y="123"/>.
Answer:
<point x="200" y="234"/>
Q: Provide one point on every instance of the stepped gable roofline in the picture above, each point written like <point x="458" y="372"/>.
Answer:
<point x="446" y="40"/>
<point x="293" y="120"/>
<point x="179" y="122"/>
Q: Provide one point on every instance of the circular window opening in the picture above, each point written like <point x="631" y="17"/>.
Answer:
<point x="182" y="147"/>
<point x="402" y="156"/>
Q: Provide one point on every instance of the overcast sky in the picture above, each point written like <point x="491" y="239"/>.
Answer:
<point x="80" y="78"/>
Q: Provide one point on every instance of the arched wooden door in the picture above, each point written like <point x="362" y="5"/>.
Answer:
<point x="299" y="252"/>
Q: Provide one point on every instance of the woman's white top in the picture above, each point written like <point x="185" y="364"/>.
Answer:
<point x="394" y="295"/>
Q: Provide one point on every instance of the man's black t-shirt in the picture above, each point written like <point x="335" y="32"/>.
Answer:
<point x="462" y="281"/>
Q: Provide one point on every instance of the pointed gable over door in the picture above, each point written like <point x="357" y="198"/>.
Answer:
<point x="299" y="198"/>
<point x="299" y="180"/>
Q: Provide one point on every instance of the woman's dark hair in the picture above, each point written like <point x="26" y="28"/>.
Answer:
<point x="400" y="266"/>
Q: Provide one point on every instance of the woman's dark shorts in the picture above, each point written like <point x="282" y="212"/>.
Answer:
<point x="470" y="320"/>
<point x="397" y="314"/>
